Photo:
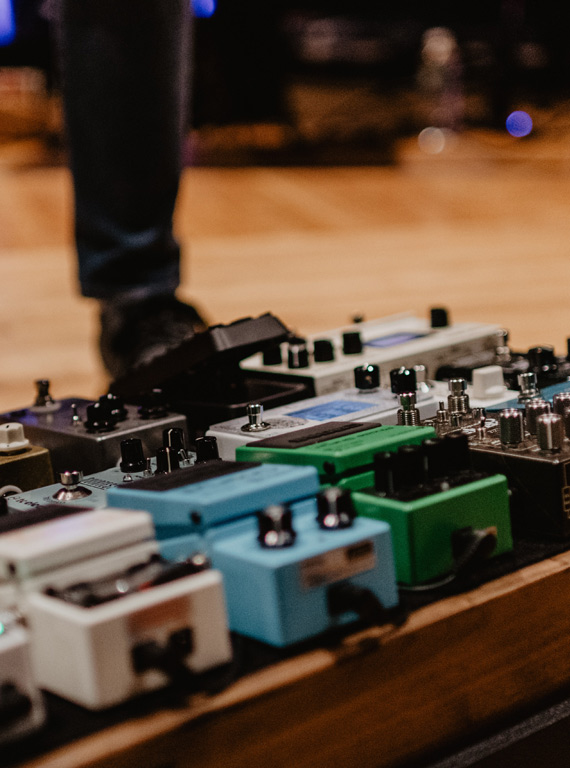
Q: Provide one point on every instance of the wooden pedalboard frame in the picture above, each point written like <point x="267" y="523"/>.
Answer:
<point x="382" y="697"/>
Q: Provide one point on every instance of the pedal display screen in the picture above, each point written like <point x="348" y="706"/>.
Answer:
<point x="393" y="339"/>
<point x="332" y="410"/>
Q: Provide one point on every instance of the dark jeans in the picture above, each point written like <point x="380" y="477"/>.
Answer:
<point x="125" y="81"/>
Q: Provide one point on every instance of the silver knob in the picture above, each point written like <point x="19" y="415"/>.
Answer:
<point x="534" y="409"/>
<point x="408" y="414"/>
<point x="550" y="432"/>
<point x="511" y="426"/>
<point x="71" y="489"/>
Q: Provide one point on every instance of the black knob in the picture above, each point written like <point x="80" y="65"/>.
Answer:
<point x="351" y="343"/>
<point x="115" y="405"/>
<point x="272" y="355"/>
<point x="457" y="450"/>
<point x="384" y="472"/>
<point x="43" y="396"/>
<point x="297" y="354"/>
<point x="541" y="359"/>
<point x="275" y="525"/>
<point x="206" y="448"/>
<point x="166" y="461"/>
<point x="435" y="451"/>
<point x="367" y="377"/>
<point x="153" y="405"/>
<point x="409" y="467"/>
<point x="323" y="351"/>
<point x="100" y="418"/>
<point x="403" y="380"/>
<point x="132" y="456"/>
<point x="439" y="317"/>
<point x="173" y="437"/>
<point x="335" y="509"/>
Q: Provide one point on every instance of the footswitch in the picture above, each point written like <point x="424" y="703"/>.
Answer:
<point x="86" y="434"/>
<point x="213" y="492"/>
<point x="289" y="578"/>
<point x="104" y="650"/>
<point x="342" y="452"/>
<point x="366" y="401"/>
<point x="444" y="515"/>
<point x="22" y="710"/>
<point x="324" y="362"/>
<point x="22" y="465"/>
<point x="83" y="545"/>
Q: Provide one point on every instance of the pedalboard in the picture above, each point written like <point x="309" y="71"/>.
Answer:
<point x="98" y="647"/>
<point x="86" y="435"/>
<point x="342" y="452"/>
<point x="289" y="577"/>
<point x="22" y="708"/>
<point x="325" y="362"/>
<point x="443" y="514"/>
<point x="365" y="401"/>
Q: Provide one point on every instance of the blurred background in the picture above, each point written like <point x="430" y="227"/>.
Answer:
<point x="343" y="158"/>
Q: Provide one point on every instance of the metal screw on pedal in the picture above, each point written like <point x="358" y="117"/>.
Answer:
<point x="408" y="414"/>
<point x="71" y="489"/>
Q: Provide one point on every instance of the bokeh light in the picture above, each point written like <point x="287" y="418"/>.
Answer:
<point x="519" y="124"/>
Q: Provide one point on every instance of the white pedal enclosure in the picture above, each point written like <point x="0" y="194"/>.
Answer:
<point x="390" y="342"/>
<point x="87" y="655"/>
<point x="76" y="547"/>
<point x="379" y="405"/>
<point x="22" y="708"/>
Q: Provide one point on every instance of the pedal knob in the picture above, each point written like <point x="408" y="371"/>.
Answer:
<point x="439" y="317"/>
<point x="275" y="525"/>
<point x="436" y="457"/>
<point x="351" y="343"/>
<point x="100" y="418"/>
<point x="12" y="438"/>
<point x="511" y="426"/>
<point x="403" y="380"/>
<point x="457" y="451"/>
<point x="206" y="448"/>
<point x="154" y="405"/>
<point x="550" y="432"/>
<point x="166" y="461"/>
<point x="335" y="509"/>
<point x="542" y="359"/>
<point x="528" y="387"/>
<point x="488" y="382"/>
<point x="43" y="397"/>
<point x="173" y="437"/>
<point x="323" y="351"/>
<point x="297" y="354"/>
<point x="408" y="468"/>
<point x="367" y="377"/>
<point x="115" y="406"/>
<point x="132" y="456"/>
<point x="561" y="402"/>
<point x="272" y="355"/>
<point x="532" y="411"/>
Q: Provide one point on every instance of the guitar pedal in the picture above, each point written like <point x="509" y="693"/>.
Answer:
<point x="85" y="434"/>
<point x="366" y="401"/>
<point x="443" y="514"/>
<point x="289" y="577"/>
<point x="101" y="643"/>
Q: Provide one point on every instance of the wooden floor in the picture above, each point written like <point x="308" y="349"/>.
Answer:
<point x="482" y="228"/>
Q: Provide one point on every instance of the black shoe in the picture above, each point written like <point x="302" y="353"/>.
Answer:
<point x="133" y="334"/>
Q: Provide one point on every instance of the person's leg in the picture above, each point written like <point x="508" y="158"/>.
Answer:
<point x="125" y="67"/>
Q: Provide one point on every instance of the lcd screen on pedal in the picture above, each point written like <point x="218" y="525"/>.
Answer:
<point x="328" y="411"/>
<point x="393" y="339"/>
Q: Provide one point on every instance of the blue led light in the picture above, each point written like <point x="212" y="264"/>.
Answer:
<point x="519" y="124"/>
<point x="7" y="22"/>
<point x="203" y="9"/>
